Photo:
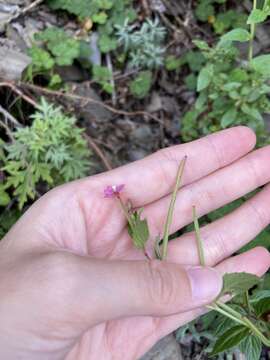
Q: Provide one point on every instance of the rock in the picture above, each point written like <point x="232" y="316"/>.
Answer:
<point x="12" y="64"/>
<point x="136" y="154"/>
<point x="166" y="349"/>
<point x="92" y="111"/>
<point x="142" y="136"/>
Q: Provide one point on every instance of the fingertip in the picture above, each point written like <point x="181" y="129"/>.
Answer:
<point x="246" y="136"/>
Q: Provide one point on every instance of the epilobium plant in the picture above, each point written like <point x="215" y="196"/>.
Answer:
<point x="245" y="314"/>
<point x="232" y="91"/>
<point x="144" y="47"/>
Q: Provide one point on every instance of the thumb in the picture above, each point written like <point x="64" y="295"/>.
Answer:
<point x="113" y="289"/>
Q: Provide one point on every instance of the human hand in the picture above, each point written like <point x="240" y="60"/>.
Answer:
<point x="72" y="285"/>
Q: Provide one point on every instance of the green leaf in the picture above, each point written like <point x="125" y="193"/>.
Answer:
<point x="100" y="18"/>
<point x="261" y="64"/>
<point x="205" y="77"/>
<point x="238" y="283"/>
<point x="138" y="229"/>
<point x="202" y="45"/>
<point x="229" y="339"/>
<point x="107" y="43"/>
<point x="229" y="117"/>
<point x="238" y="34"/>
<point x="4" y="197"/>
<point x="257" y="16"/>
<point x="141" y="85"/>
<point x="251" y="347"/>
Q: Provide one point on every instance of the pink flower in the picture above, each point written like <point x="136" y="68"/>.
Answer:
<point x="113" y="190"/>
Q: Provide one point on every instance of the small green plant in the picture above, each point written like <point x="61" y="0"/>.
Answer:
<point x="55" y="47"/>
<point x="102" y="75"/>
<point x="51" y="151"/>
<point x="210" y="11"/>
<point x="144" y="47"/>
<point x="231" y="90"/>
<point x="141" y="85"/>
<point x="105" y="14"/>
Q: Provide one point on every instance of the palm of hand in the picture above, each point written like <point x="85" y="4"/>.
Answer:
<point x="77" y="219"/>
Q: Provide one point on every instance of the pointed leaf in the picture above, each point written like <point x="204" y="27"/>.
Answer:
<point x="229" y="339"/>
<point x="257" y="16"/>
<point x="251" y="347"/>
<point x="229" y="117"/>
<point x="238" y="34"/>
<point x="205" y="77"/>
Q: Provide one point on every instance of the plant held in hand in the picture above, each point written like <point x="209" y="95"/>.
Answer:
<point x="245" y="312"/>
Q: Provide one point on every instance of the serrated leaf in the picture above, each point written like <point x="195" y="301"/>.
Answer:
<point x="238" y="283"/>
<point x="257" y="16"/>
<point x="229" y="339"/>
<point x="251" y="347"/>
<point x="238" y="34"/>
<point x="205" y="77"/>
<point x="138" y="229"/>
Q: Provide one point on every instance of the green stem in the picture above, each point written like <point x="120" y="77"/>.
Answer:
<point x="246" y="297"/>
<point x="124" y="209"/>
<point x="198" y="237"/>
<point x="171" y="208"/>
<point x="225" y="313"/>
<point x="252" y="34"/>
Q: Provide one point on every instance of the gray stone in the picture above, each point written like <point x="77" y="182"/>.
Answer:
<point x="12" y="64"/>
<point x="166" y="349"/>
<point x="92" y="110"/>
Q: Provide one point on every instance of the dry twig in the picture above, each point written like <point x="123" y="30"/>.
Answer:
<point x="14" y="88"/>
<point x="87" y="100"/>
<point x="98" y="151"/>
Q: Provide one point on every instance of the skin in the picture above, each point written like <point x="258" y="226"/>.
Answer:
<point x="72" y="285"/>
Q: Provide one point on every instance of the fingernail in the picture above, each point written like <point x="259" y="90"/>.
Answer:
<point x="206" y="283"/>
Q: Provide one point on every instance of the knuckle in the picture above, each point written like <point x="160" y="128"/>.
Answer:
<point x="160" y="284"/>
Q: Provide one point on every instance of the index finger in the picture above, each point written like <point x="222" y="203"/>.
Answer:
<point x="149" y="179"/>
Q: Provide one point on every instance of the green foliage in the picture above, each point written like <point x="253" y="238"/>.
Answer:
<point x="144" y="46"/>
<point x="102" y="75"/>
<point x="54" y="47"/>
<point x="230" y="93"/>
<point x="7" y="220"/>
<point x="211" y="12"/>
<point x="82" y="8"/>
<point x="51" y="151"/>
<point x="106" y="14"/>
<point x="62" y="47"/>
<point x="238" y="283"/>
<point x="138" y="229"/>
<point x="230" y="339"/>
<point x="141" y="85"/>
